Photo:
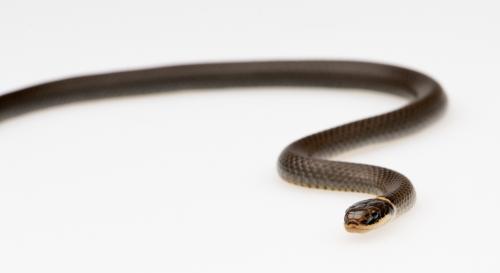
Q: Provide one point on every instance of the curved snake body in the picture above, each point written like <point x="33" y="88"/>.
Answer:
<point x="306" y="161"/>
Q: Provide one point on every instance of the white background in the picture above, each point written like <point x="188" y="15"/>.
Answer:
<point x="187" y="182"/>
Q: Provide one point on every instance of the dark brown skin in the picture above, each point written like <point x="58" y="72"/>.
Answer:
<point x="305" y="162"/>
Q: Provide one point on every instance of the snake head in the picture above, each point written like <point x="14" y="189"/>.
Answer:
<point x="368" y="214"/>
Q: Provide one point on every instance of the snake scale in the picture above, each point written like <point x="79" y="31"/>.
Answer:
<point x="305" y="162"/>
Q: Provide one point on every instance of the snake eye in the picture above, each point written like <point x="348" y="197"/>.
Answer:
<point x="373" y="218"/>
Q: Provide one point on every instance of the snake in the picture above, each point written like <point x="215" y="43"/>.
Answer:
<point x="308" y="161"/>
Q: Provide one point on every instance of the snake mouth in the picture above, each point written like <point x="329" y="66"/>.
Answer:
<point x="359" y="227"/>
<point x="355" y="227"/>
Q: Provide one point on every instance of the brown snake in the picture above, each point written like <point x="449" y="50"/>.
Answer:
<point x="306" y="161"/>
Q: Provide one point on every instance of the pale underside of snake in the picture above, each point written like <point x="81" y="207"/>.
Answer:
<point x="305" y="162"/>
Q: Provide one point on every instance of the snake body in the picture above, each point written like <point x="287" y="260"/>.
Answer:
<point x="305" y="162"/>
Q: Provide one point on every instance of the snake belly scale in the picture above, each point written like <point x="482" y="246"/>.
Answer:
<point x="305" y="162"/>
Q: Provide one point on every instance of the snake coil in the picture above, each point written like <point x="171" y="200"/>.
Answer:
<point x="305" y="162"/>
